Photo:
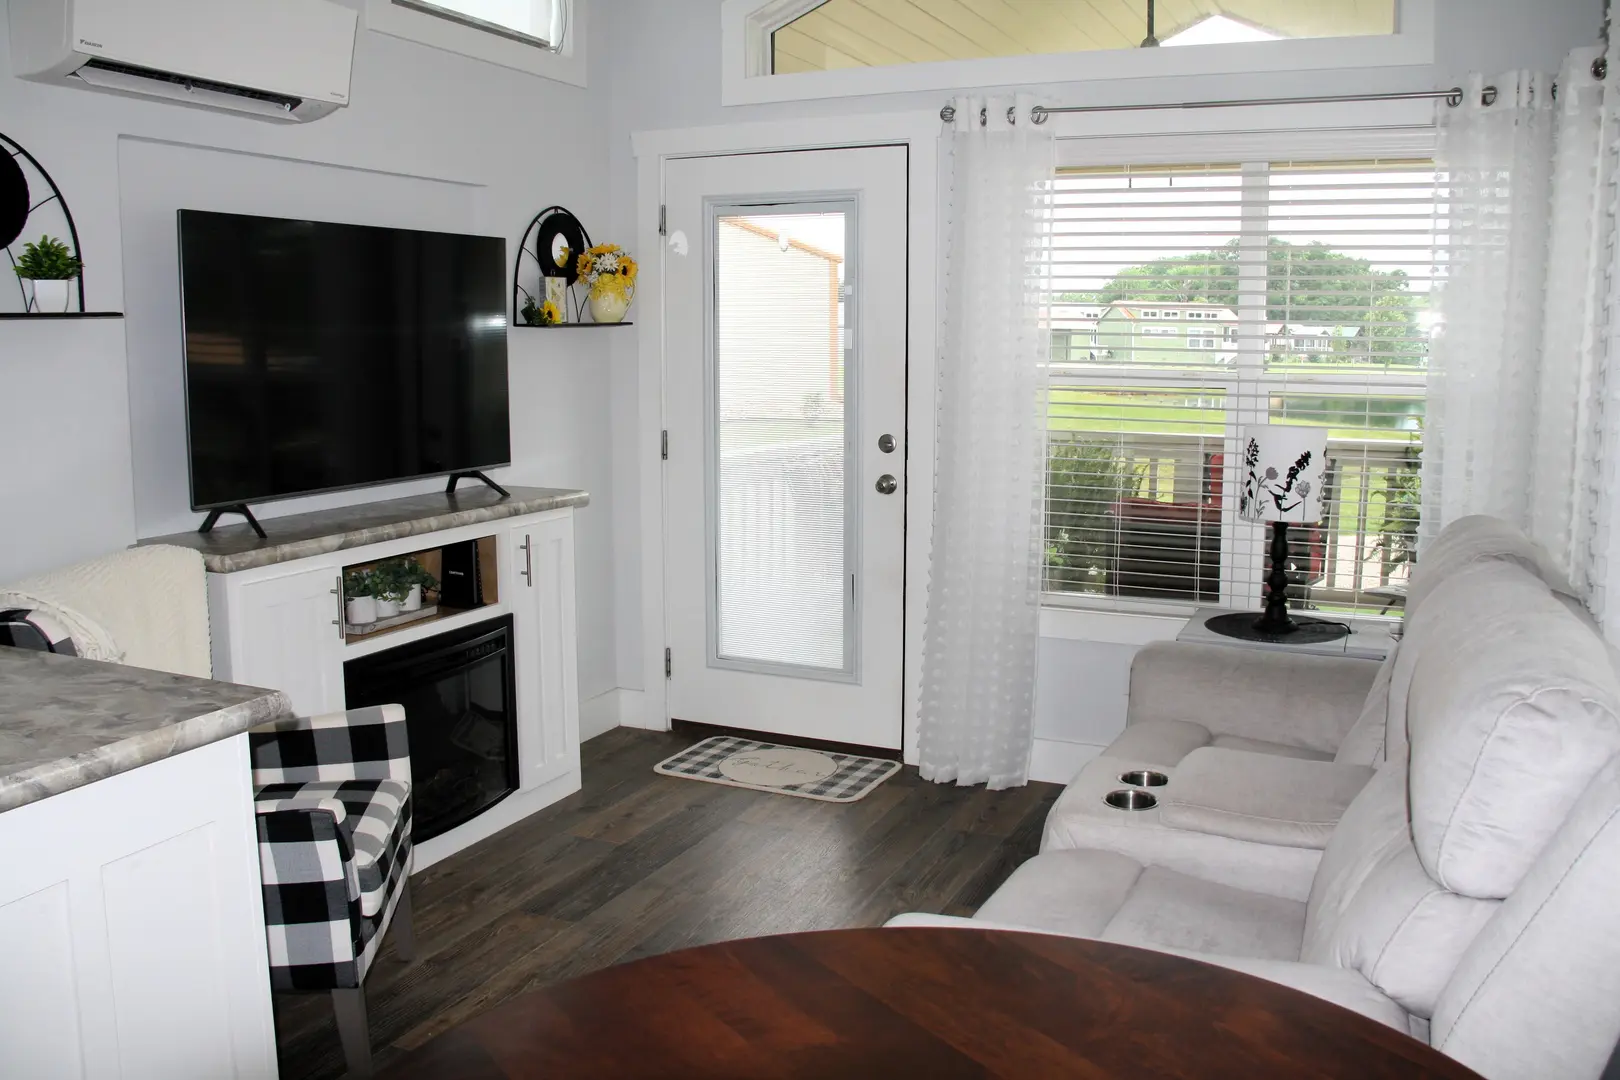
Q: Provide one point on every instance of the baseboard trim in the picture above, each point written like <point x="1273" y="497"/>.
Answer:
<point x="1057" y="762"/>
<point x="614" y="708"/>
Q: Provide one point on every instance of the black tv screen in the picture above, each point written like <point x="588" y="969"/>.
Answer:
<point x="323" y="356"/>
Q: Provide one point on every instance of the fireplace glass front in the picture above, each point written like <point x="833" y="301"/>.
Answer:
<point x="460" y="713"/>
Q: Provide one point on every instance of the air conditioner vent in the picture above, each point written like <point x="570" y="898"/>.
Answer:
<point x="281" y="101"/>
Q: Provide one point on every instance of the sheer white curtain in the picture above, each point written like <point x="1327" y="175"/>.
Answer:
<point x="1523" y="419"/>
<point x="983" y="629"/>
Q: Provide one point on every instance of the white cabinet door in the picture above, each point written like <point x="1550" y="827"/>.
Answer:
<point x="540" y="586"/>
<point x="290" y="630"/>
<point x="132" y="929"/>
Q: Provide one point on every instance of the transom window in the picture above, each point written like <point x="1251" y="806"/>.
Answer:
<point x="839" y="34"/>
<point x="538" y="22"/>
<point x="1318" y="276"/>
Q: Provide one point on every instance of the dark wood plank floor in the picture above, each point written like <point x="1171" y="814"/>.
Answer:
<point x="638" y="864"/>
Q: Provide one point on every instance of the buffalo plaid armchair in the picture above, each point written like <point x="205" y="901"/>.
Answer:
<point x="333" y="799"/>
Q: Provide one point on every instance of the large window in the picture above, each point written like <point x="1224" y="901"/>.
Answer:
<point x="881" y="33"/>
<point x="1191" y="300"/>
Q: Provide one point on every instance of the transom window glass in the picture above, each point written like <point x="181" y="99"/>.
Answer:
<point x="541" y="22"/>
<point x="883" y="33"/>
<point x="1310" y="282"/>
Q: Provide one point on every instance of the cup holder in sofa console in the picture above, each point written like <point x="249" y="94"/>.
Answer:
<point x="1144" y="778"/>
<point x="1130" y="799"/>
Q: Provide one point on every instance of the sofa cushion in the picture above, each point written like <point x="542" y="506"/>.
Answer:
<point x="1067" y="892"/>
<point x="1275" y="749"/>
<point x="1508" y="723"/>
<point x="1474" y="539"/>
<point x="1114" y="898"/>
<point x="1159" y="743"/>
<point x="1373" y="908"/>
<point x="1081" y="819"/>
<point x="1262" y="798"/>
<point x="1538" y="993"/>
<point x="1169" y="910"/>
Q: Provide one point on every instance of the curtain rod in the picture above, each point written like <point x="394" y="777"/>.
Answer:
<point x="1039" y="113"/>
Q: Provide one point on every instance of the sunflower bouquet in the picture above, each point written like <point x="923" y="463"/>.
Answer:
<point x="608" y="267"/>
<point x="609" y="272"/>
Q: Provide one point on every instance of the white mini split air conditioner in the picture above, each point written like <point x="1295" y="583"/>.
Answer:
<point x="286" y="60"/>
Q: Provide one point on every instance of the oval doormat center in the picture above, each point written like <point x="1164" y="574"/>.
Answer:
<point x="777" y="767"/>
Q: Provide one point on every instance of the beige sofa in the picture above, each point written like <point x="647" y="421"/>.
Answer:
<point x="1468" y="895"/>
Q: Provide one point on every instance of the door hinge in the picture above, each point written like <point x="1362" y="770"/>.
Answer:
<point x="663" y="220"/>
<point x="663" y="444"/>
<point x="668" y="667"/>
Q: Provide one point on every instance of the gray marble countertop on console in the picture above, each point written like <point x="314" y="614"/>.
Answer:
<point x="299" y="536"/>
<point x="67" y="722"/>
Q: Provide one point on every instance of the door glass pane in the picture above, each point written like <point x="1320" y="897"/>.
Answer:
<point x="781" y="560"/>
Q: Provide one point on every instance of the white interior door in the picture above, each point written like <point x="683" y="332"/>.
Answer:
<point x="785" y="374"/>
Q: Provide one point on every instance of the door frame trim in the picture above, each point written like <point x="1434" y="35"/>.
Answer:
<point x="920" y="133"/>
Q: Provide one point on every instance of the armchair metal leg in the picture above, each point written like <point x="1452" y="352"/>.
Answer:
<point x="350" y="1007"/>
<point x="404" y="931"/>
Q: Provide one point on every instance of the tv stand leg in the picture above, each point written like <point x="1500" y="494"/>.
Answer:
<point x="240" y="508"/>
<point x="450" y="488"/>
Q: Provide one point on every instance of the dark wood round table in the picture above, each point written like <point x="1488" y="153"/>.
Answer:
<point x="919" y="1003"/>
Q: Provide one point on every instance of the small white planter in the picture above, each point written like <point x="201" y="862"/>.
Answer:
<point x="361" y="610"/>
<point x="413" y="599"/>
<point x="387" y="609"/>
<point x="52" y="296"/>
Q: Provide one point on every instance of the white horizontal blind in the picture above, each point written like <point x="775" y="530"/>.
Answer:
<point x="1192" y="300"/>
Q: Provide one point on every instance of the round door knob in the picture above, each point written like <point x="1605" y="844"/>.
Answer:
<point x="886" y="484"/>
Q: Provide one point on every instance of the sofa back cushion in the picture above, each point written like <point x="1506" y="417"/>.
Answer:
<point x="1510" y="714"/>
<point x="1479" y="538"/>
<point x="1538" y="992"/>
<point x="1375" y="910"/>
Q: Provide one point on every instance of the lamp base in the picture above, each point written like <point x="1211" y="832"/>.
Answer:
<point x="1246" y="626"/>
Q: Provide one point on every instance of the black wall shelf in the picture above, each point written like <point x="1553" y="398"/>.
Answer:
<point x="32" y="315"/>
<point x="570" y="325"/>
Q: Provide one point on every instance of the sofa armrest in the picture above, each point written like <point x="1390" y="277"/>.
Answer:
<point x="1261" y="798"/>
<point x="1295" y="699"/>
<point x="360" y="744"/>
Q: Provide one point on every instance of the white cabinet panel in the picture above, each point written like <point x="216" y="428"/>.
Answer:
<point x="39" y="1030"/>
<point x="542" y="557"/>
<point x="134" y="949"/>
<point x="290" y="638"/>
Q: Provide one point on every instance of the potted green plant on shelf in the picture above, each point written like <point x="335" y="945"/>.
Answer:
<point x="359" y="597"/>
<point x="50" y="267"/>
<point x="390" y="587"/>
<point x="417" y="581"/>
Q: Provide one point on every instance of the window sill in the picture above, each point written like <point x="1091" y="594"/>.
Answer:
<point x="1063" y="621"/>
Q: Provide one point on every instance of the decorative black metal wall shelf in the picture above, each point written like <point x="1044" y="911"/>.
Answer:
<point x="4" y="315"/>
<point x="552" y="227"/>
<point x="17" y="210"/>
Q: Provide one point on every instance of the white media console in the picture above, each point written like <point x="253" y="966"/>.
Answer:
<point x="278" y="622"/>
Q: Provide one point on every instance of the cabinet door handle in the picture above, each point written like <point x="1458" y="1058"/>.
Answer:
<point x="338" y="622"/>
<point x="528" y="561"/>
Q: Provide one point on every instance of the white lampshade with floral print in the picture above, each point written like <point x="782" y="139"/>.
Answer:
<point x="1281" y="468"/>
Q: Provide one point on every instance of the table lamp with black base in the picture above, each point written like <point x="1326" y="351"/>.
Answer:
<point x="1280" y="480"/>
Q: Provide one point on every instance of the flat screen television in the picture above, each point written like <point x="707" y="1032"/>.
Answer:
<point x="322" y="356"/>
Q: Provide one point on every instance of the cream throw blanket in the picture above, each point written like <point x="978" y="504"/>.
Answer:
<point x="144" y="606"/>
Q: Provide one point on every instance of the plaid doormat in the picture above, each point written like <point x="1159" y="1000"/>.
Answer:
<point x="828" y="777"/>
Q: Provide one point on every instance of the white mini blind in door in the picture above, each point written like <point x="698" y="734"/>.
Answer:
<point x="1191" y="300"/>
